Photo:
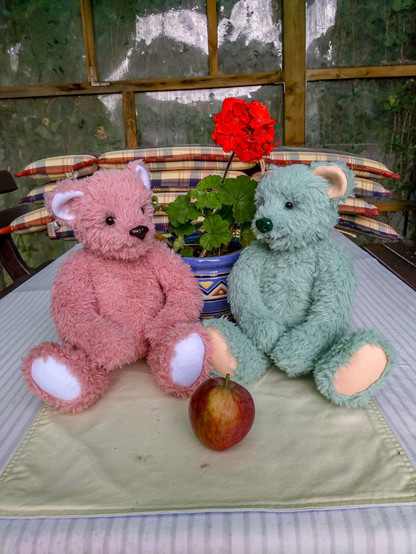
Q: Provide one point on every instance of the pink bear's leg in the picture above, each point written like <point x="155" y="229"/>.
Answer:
<point x="182" y="360"/>
<point x="64" y="376"/>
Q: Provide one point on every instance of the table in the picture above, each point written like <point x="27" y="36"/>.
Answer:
<point x="382" y="300"/>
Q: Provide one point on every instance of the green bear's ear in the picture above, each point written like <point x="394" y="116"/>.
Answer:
<point x="336" y="176"/>
<point x="269" y="170"/>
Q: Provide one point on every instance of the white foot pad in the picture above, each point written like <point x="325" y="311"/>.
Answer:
<point x="55" y="379"/>
<point x="186" y="364"/>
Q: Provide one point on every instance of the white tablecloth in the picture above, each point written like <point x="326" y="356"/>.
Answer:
<point x="382" y="301"/>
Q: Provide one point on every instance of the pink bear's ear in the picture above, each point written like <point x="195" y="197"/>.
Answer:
<point x="60" y="201"/>
<point x="138" y="167"/>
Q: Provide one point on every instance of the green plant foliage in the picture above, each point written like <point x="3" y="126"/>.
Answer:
<point x="212" y="214"/>
<point x="41" y="42"/>
<point x="375" y="118"/>
<point x="181" y="210"/>
<point x="366" y="33"/>
<point x="216" y="232"/>
<point x="239" y="193"/>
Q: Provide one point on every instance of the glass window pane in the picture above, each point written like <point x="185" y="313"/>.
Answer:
<point x="186" y="117"/>
<point x="138" y="39"/>
<point x="375" y="118"/>
<point x="343" y="33"/>
<point x="249" y="35"/>
<point x="31" y="129"/>
<point x="41" y="41"/>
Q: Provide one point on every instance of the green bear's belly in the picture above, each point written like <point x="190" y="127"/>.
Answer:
<point x="286" y="287"/>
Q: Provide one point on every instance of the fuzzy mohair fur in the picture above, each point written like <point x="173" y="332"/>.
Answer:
<point x="291" y="291"/>
<point x="120" y="298"/>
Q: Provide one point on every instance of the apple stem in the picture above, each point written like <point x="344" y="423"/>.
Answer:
<point x="227" y="378"/>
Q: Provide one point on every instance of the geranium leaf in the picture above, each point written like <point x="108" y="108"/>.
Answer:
<point x="181" y="210"/>
<point x="211" y="182"/>
<point x="239" y="192"/>
<point x="216" y="232"/>
<point x="208" y="200"/>
<point x="246" y="235"/>
<point x="182" y="229"/>
<point x="187" y="252"/>
<point x="178" y="243"/>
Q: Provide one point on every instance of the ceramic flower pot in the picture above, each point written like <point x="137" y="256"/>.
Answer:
<point x="212" y="275"/>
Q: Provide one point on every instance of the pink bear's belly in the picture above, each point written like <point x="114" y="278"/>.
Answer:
<point x="129" y="296"/>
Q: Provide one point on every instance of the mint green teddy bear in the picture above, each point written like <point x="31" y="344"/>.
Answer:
<point x="291" y="292"/>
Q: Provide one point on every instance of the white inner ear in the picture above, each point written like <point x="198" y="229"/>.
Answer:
<point x="144" y="176"/>
<point x="59" y="204"/>
<point x="336" y="176"/>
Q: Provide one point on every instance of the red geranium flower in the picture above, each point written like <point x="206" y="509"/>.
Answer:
<point x="245" y="129"/>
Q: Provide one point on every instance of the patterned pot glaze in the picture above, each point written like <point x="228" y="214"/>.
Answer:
<point x="212" y="275"/>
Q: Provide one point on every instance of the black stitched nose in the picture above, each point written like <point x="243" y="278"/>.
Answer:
<point x="139" y="232"/>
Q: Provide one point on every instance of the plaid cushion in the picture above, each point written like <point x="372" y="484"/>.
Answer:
<point x="36" y="194"/>
<point x="353" y="205"/>
<point x="176" y="157"/>
<point x="368" y="226"/>
<point x="60" y="167"/>
<point x="183" y="178"/>
<point x="362" y="166"/>
<point x="32" y="221"/>
<point x="55" y="231"/>
<point x="366" y="187"/>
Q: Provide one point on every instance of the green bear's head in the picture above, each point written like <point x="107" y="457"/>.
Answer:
<point x="298" y="205"/>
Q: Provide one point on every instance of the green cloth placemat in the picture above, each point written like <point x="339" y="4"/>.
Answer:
<point x="134" y="452"/>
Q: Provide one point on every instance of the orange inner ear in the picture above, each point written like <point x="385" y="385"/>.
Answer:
<point x="335" y="176"/>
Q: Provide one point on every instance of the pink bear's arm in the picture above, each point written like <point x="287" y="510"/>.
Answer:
<point x="183" y="298"/>
<point x="77" y="321"/>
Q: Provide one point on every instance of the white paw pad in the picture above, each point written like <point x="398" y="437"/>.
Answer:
<point x="54" y="378"/>
<point x="186" y="364"/>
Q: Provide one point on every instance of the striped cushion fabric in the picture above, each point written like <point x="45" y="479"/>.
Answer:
<point x="60" y="167"/>
<point x="166" y="195"/>
<point x="171" y="180"/>
<point x="368" y="226"/>
<point x="55" y="231"/>
<point x="36" y="194"/>
<point x="352" y="205"/>
<point x="174" y="157"/>
<point x="183" y="178"/>
<point x="366" y="187"/>
<point x="35" y="220"/>
<point x="361" y="166"/>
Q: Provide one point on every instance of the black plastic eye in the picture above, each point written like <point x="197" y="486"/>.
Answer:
<point x="110" y="220"/>
<point x="288" y="205"/>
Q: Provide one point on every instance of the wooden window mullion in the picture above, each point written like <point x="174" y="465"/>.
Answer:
<point x="294" y="64"/>
<point x="212" y="36"/>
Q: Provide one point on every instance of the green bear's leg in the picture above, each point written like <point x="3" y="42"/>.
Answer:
<point x="354" y="368"/>
<point x="234" y="352"/>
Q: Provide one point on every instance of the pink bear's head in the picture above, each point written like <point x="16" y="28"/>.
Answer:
<point x="110" y="211"/>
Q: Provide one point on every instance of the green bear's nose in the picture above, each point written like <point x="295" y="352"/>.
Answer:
<point x="264" y="225"/>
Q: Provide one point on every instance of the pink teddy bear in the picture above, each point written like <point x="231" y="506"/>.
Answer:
<point x="124" y="296"/>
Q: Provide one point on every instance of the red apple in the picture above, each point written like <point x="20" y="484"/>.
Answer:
<point x="221" y="412"/>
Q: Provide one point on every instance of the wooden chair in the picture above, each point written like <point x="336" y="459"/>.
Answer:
<point x="10" y="257"/>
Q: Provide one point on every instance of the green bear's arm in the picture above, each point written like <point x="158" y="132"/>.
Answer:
<point x="250" y="312"/>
